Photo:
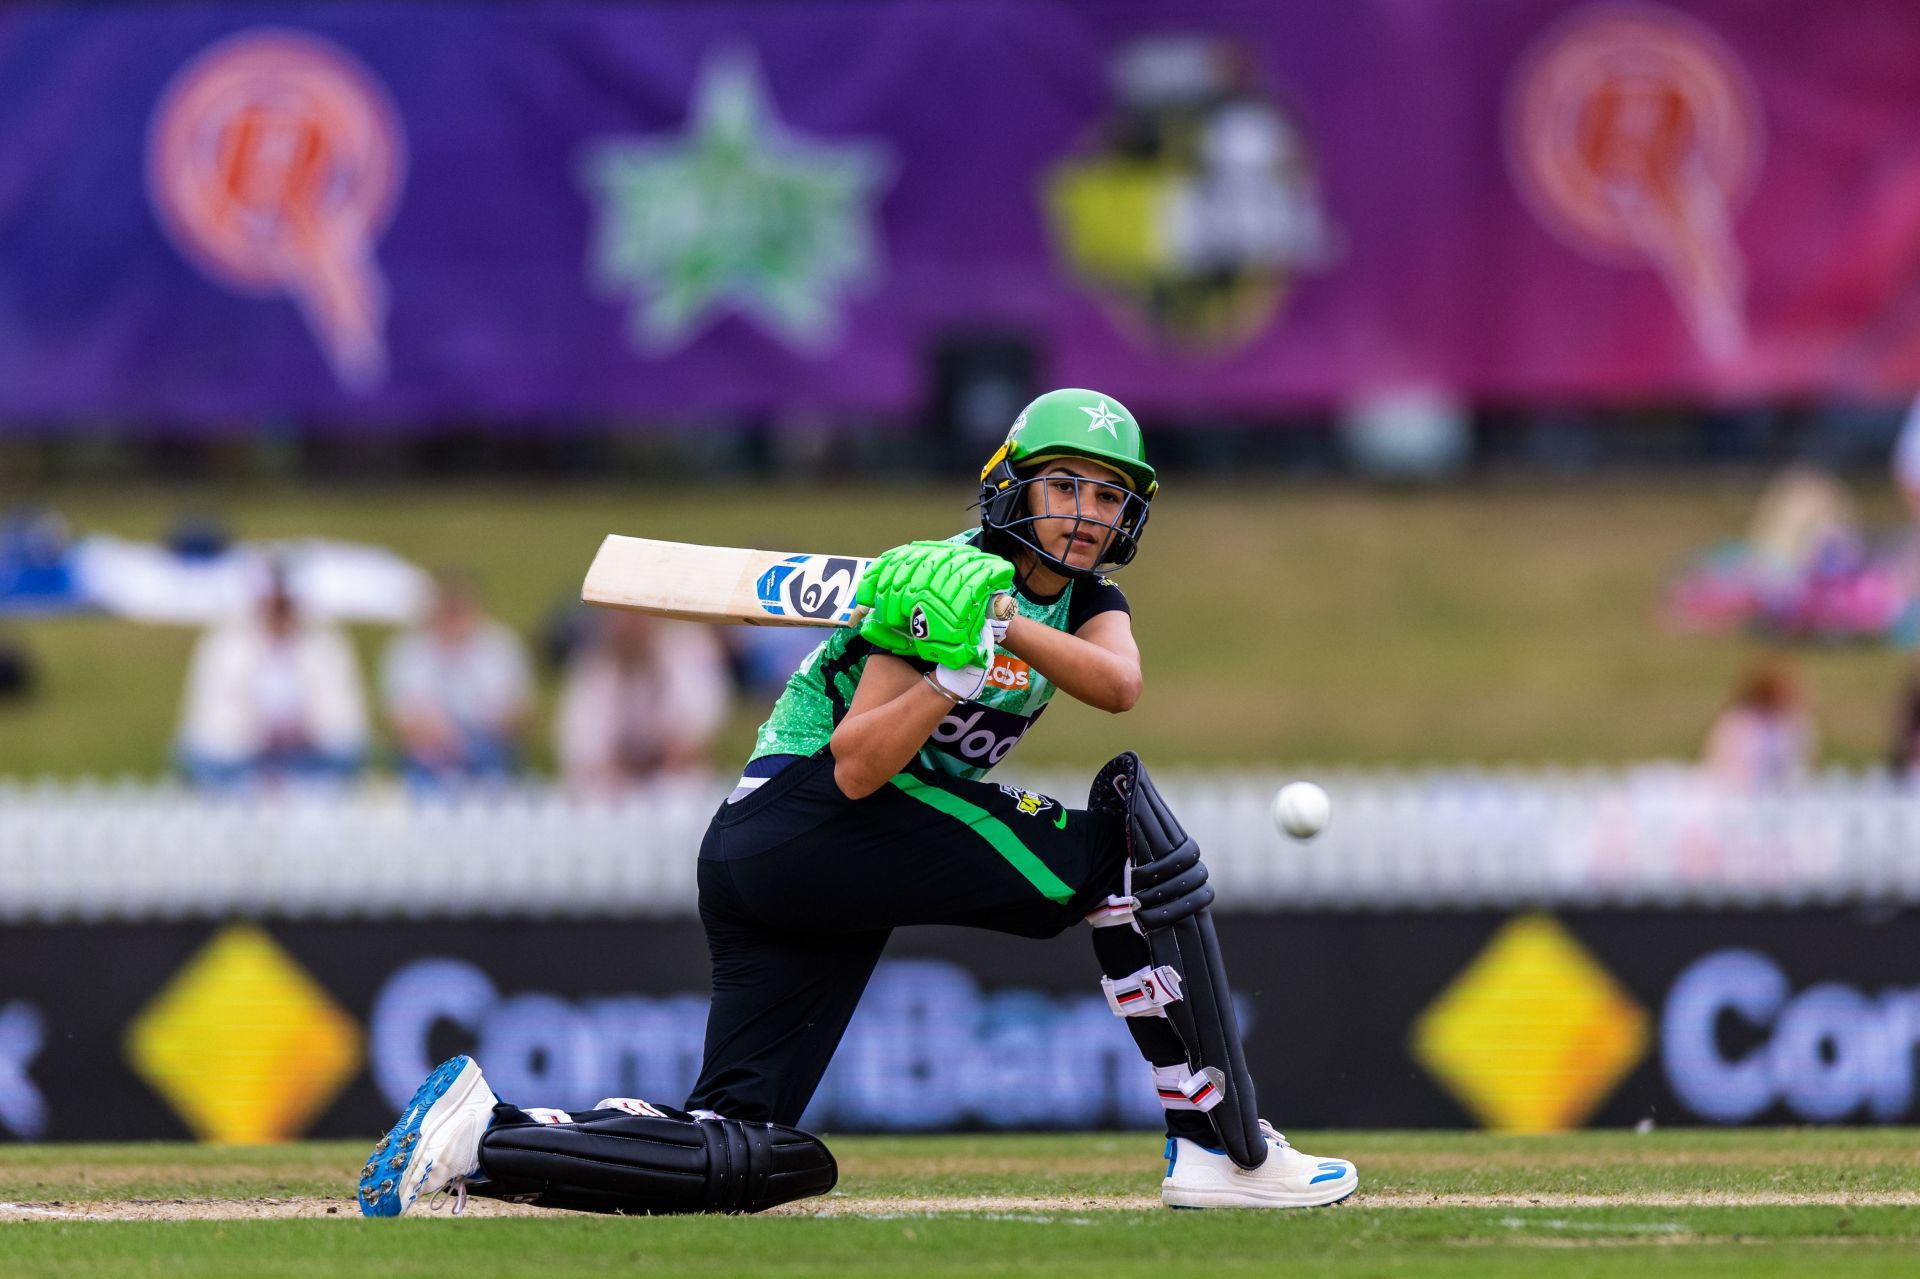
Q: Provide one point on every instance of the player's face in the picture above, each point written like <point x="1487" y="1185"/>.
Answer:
<point x="1074" y="499"/>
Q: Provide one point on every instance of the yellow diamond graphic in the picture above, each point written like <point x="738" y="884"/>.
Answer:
<point x="245" y="1045"/>
<point x="1534" y="1034"/>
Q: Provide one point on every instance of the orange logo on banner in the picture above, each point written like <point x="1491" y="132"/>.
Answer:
<point x="274" y="162"/>
<point x="1635" y="133"/>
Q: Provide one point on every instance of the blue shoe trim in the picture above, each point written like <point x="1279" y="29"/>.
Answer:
<point x="1331" y="1170"/>
<point x="1170" y="1154"/>
<point x="388" y="1162"/>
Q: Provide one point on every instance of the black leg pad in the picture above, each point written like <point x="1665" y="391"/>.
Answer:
<point x="1173" y="898"/>
<point x="641" y="1165"/>
<point x="1170" y="882"/>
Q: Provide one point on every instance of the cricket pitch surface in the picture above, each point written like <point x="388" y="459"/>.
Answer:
<point x="1683" y="1201"/>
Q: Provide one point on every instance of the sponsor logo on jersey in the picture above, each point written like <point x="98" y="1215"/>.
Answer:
<point x="1010" y="673"/>
<point x="978" y="735"/>
<point x="1027" y="802"/>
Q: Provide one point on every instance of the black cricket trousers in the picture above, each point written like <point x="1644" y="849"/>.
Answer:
<point x="800" y="888"/>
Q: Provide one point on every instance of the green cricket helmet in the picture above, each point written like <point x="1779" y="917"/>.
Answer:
<point x="1068" y="423"/>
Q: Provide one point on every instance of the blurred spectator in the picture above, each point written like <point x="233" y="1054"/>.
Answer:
<point x="641" y="697"/>
<point x="763" y="658"/>
<point x="16" y="670"/>
<point x="1904" y="758"/>
<point x="457" y="691"/>
<point x="1906" y="461"/>
<point x="1765" y="738"/>
<point x="271" y="697"/>
<point x="1805" y="520"/>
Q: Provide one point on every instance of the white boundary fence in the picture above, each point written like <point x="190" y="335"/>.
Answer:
<point x="1656" y="835"/>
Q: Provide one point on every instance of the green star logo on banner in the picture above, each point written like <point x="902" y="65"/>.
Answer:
<point x="737" y="214"/>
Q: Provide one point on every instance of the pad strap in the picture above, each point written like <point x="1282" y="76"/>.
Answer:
<point x="1181" y="1089"/>
<point x="632" y="1106"/>
<point x="1115" y="912"/>
<point x="1145" y="993"/>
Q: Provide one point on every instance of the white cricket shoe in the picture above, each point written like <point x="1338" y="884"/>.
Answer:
<point x="434" y="1145"/>
<point x="1200" y="1177"/>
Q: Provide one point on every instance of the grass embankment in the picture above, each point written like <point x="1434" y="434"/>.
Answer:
<point x="1280" y="625"/>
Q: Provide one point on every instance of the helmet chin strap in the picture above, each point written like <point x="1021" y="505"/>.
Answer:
<point x="1029" y="562"/>
<point x="1054" y="564"/>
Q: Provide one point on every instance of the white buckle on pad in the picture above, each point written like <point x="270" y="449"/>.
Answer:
<point x="1143" y="994"/>
<point x="1179" y="1090"/>
<point x="632" y="1105"/>
<point x="1114" y="912"/>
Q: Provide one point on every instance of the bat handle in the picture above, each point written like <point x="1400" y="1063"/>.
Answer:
<point x="1003" y="606"/>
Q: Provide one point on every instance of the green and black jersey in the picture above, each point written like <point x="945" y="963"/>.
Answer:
<point x="975" y="735"/>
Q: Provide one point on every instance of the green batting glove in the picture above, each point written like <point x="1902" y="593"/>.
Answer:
<point x="884" y="637"/>
<point x="880" y="627"/>
<point x="937" y="595"/>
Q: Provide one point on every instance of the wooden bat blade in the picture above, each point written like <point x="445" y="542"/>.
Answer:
<point x="723" y="583"/>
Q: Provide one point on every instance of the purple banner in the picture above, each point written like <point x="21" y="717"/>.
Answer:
<point x="388" y="214"/>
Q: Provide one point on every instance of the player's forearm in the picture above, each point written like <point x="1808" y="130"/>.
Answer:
<point x="1085" y="672"/>
<point x="871" y="746"/>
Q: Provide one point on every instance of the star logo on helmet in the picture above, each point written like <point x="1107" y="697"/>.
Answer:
<point x="1103" y="419"/>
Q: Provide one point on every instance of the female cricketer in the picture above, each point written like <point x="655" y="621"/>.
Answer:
<point x="862" y="810"/>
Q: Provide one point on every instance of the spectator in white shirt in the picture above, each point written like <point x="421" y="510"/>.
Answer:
<point x="641" y="697"/>
<point x="1764" y="740"/>
<point x="457" y="692"/>
<point x="272" y="697"/>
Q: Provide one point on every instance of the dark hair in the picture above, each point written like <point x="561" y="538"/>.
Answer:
<point x="1770" y="683"/>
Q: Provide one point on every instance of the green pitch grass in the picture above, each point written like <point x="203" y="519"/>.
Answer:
<point x="1711" y="1203"/>
<point x="1279" y="624"/>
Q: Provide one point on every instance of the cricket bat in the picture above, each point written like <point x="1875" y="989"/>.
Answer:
<point x="730" y="584"/>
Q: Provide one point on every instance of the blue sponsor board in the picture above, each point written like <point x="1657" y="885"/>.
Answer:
<point x="1762" y="1017"/>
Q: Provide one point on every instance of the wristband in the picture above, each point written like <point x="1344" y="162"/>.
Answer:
<point x="941" y="689"/>
<point x="963" y="683"/>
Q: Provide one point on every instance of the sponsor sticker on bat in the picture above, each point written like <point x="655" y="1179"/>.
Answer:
<point x="817" y="587"/>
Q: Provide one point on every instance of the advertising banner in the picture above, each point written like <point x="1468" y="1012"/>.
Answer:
<point x="375" y="215"/>
<point x="248" y="1032"/>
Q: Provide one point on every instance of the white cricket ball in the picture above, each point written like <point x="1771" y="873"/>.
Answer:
<point x="1302" y="809"/>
